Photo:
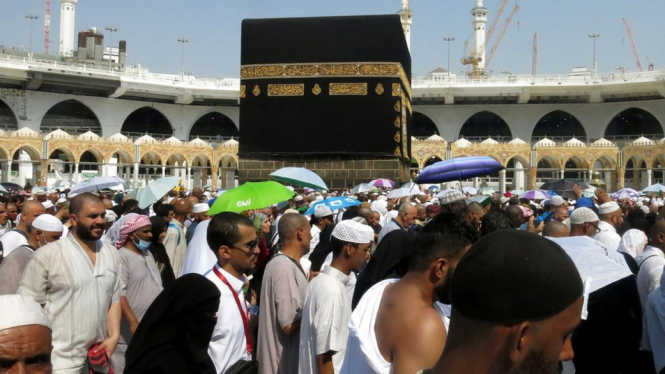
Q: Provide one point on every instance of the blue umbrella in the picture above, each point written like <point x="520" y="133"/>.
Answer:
<point x="459" y="168"/>
<point x="299" y="177"/>
<point x="334" y="203"/>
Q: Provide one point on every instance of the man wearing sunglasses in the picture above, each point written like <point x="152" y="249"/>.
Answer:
<point x="234" y="242"/>
<point x="584" y="222"/>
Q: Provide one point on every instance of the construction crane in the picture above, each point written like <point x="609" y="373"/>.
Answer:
<point x="632" y="45"/>
<point x="495" y="22"/>
<point x="534" y="60"/>
<point x="47" y="26"/>
<point x="651" y="66"/>
<point x="474" y="58"/>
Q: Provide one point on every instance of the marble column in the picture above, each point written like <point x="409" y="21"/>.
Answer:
<point x="562" y="174"/>
<point x="163" y="171"/>
<point x="7" y="171"/>
<point x="76" y="173"/>
<point x="136" y="174"/>
<point x="531" y="181"/>
<point x="502" y="181"/>
<point x="189" y="178"/>
<point x="649" y="179"/>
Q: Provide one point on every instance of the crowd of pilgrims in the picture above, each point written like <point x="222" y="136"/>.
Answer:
<point x="455" y="284"/>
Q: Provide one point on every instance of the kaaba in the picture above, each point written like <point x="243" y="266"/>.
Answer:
<point x="331" y="94"/>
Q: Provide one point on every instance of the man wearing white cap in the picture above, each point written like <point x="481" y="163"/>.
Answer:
<point x="323" y="216"/>
<point x="18" y="237"/>
<point x="25" y="336"/>
<point x="584" y="222"/>
<point x="327" y="309"/>
<point x="49" y="208"/>
<point x="199" y="214"/>
<point x="610" y="219"/>
<point x="44" y="229"/>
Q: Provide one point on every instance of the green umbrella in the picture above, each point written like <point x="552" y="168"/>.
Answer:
<point x="155" y="190"/>
<point x="251" y="195"/>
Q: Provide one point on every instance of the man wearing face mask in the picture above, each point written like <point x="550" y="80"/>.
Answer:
<point x="44" y="229"/>
<point x="140" y="278"/>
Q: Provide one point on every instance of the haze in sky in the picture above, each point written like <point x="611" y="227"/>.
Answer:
<point x="152" y="27"/>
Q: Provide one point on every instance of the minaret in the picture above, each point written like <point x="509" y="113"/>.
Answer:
<point x="479" y="20"/>
<point x="406" y="14"/>
<point x="67" y="18"/>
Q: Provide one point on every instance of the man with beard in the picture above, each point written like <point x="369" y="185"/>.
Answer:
<point x="584" y="222"/>
<point x="500" y="322"/>
<point x="234" y="242"/>
<point x="475" y="214"/>
<point x="397" y="327"/>
<point x="12" y="213"/>
<point x="77" y="280"/>
<point x="611" y="218"/>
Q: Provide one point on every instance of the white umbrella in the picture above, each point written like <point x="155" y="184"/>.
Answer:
<point x="402" y="192"/>
<point x="63" y="183"/>
<point x="589" y="192"/>
<point x="517" y="192"/>
<point x="444" y="192"/>
<point x="155" y="190"/>
<point x="485" y="191"/>
<point x="363" y="187"/>
<point x="597" y="264"/>
<point x="470" y="190"/>
<point x="99" y="183"/>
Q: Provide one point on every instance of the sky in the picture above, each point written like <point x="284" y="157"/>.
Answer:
<point x="152" y="27"/>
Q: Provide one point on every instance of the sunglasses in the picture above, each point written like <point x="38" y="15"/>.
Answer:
<point x="249" y="246"/>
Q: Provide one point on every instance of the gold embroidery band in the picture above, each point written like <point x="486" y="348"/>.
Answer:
<point x="242" y="91"/>
<point x="341" y="89"/>
<point x="323" y="69"/>
<point x="286" y="90"/>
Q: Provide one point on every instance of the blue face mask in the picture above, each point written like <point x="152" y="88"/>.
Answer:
<point x="142" y="245"/>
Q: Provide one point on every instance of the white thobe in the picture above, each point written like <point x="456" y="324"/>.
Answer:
<point x="325" y="318"/>
<point x="76" y="296"/>
<point x="315" y="232"/>
<point x="651" y="263"/>
<point x="228" y="344"/>
<point x="12" y="240"/>
<point x="176" y="245"/>
<point x="608" y="235"/>
<point x="199" y="258"/>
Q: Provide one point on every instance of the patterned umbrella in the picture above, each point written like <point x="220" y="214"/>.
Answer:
<point x="334" y="203"/>
<point x="536" y="195"/>
<point x="382" y="182"/>
<point x="626" y="193"/>
<point x="459" y="168"/>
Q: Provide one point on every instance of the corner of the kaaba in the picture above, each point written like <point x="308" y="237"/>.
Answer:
<point x="331" y="94"/>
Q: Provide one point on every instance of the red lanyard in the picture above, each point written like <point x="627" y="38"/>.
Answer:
<point x="245" y="316"/>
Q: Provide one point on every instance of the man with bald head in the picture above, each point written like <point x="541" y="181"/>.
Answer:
<point x="282" y="296"/>
<point x="406" y="216"/>
<point x="25" y="336"/>
<point x="175" y="241"/>
<point x="516" y="215"/>
<point x="556" y="229"/>
<point x="19" y="236"/>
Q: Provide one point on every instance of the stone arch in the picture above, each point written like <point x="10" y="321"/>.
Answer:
<point x="517" y="171"/>
<point x="214" y="126"/>
<point x="558" y="126"/>
<point x="636" y="173"/>
<point x="122" y="157"/>
<point x="658" y="167"/>
<point x="72" y="116"/>
<point x="25" y="162"/>
<point x="8" y="119"/>
<point x="431" y="160"/>
<point x="634" y="122"/>
<point x="227" y="169"/>
<point x="150" y="166"/>
<point x="90" y="160"/>
<point x="576" y="167"/>
<point x="422" y="126"/>
<point x="201" y="170"/>
<point x="4" y="153"/>
<point x="548" y="168"/>
<point x="485" y="124"/>
<point x="61" y="160"/>
<point x="147" y="120"/>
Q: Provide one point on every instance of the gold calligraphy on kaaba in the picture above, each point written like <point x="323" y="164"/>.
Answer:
<point x="286" y="89"/>
<point x="378" y="69"/>
<point x="398" y="137"/>
<point x="341" y="89"/>
<point x="242" y="91"/>
<point x="256" y="91"/>
<point x="379" y="89"/>
<point x="338" y="69"/>
<point x="261" y="71"/>
<point x="302" y="70"/>
<point x="316" y="90"/>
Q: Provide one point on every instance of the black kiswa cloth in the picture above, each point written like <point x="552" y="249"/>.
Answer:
<point x="511" y="276"/>
<point x="175" y="332"/>
<point x="390" y="260"/>
<point x="282" y="52"/>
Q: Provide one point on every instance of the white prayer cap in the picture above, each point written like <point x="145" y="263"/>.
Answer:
<point x="319" y="198"/>
<point x="298" y="198"/>
<point x="556" y="200"/>
<point x="645" y="209"/>
<point x="110" y="216"/>
<point x="291" y="210"/>
<point x="47" y="204"/>
<point x="61" y="200"/>
<point x="582" y="215"/>
<point x="201" y="208"/>
<point x="382" y="197"/>
<point x="47" y="222"/>
<point x="322" y="211"/>
<point x="368" y="232"/>
<point x="607" y="208"/>
<point x="503" y="200"/>
<point x="639" y="204"/>
<point x="352" y="232"/>
<point x="451" y="197"/>
<point x="72" y="195"/>
<point x="19" y="310"/>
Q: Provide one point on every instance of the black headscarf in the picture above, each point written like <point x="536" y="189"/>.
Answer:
<point x="175" y="332"/>
<point x="322" y="249"/>
<point x="390" y="260"/>
<point x="159" y="225"/>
